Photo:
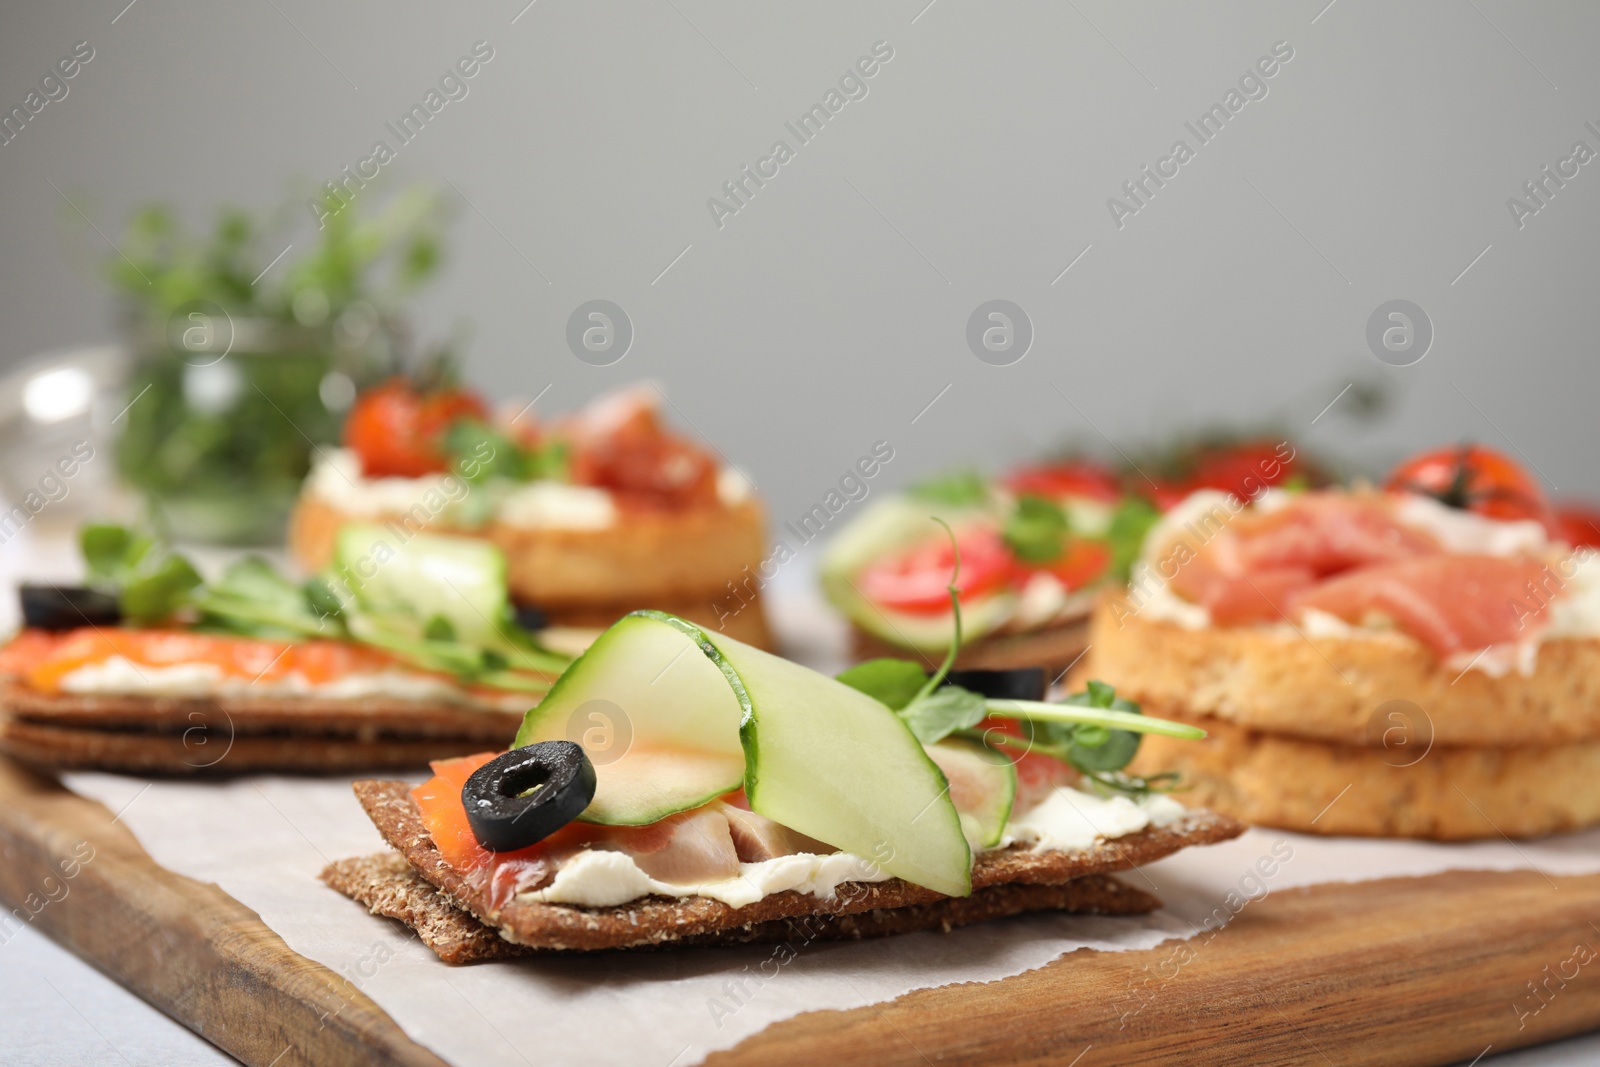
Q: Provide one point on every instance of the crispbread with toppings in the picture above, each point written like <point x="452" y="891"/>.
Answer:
<point x="205" y="751"/>
<point x="658" y="920"/>
<point x="388" y="886"/>
<point x="306" y="714"/>
<point x="1054" y="648"/>
<point x="236" y="733"/>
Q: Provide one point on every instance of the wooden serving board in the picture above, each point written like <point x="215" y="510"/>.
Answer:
<point x="186" y="947"/>
<point x="1405" y="971"/>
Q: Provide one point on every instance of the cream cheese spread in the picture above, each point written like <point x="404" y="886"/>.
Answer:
<point x="1066" y="820"/>
<point x="117" y="674"/>
<point x="557" y="506"/>
<point x="599" y="878"/>
<point x="336" y="479"/>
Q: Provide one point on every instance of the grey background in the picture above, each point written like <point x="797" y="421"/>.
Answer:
<point x="830" y="312"/>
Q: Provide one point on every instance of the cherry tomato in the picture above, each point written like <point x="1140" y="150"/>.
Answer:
<point x="1072" y="478"/>
<point x="1477" y="479"/>
<point x="916" y="581"/>
<point x="1578" y="524"/>
<point x="1243" y="468"/>
<point x="398" y="430"/>
<point x="1165" y="494"/>
<point x="1081" y="562"/>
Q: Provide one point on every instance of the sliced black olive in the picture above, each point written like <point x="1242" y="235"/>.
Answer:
<point x="530" y="618"/>
<point x="1023" y="683"/>
<point x="66" y="607"/>
<point x="525" y="795"/>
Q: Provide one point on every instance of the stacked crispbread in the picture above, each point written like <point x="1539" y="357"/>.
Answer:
<point x="456" y="917"/>
<point x="239" y="733"/>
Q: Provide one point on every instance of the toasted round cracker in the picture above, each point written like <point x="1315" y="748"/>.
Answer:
<point x="1409" y="789"/>
<point x="1342" y="689"/>
<point x="703" y="563"/>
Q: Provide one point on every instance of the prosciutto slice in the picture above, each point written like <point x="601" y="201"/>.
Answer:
<point x="1449" y="603"/>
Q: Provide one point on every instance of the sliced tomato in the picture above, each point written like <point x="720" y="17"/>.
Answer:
<point x="398" y="430"/>
<point x="1082" y="562"/>
<point x="1165" y="494"/>
<point x="1579" y="524"/>
<point x="1243" y="468"/>
<point x="917" y="581"/>
<point x="1074" y="478"/>
<point x="1477" y="479"/>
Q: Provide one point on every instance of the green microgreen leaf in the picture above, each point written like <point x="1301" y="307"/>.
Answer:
<point x="1130" y="524"/>
<point x="159" y="592"/>
<point x="943" y="712"/>
<point x="106" y="550"/>
<point x="1036" y="530"/>
<point x="895" y="682"/>
<point x="480" y="452"/>
<point x="252" y="598"/>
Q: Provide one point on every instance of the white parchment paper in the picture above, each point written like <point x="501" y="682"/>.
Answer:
<point x="264" y="839"/>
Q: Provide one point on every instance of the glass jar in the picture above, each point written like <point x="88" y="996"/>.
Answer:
<point x="225" y="414"/>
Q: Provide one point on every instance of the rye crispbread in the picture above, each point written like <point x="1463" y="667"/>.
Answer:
<point x="1054" y="648"/>
<point x="654" y="920"/>
<point x="388" y="886"/>
<point x="245" y="732"/>
<point x="1409" y="789"/>
<point x="680" y="562"/>
<point x="213" y="753"/>
<point x="306" y="715"/>
<point x="1332" y="688"/>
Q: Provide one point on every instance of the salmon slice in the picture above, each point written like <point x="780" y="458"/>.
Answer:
<point x="43" y="661"/>
<point x="1449" y="603"/>
<point x="28" y="648"/>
